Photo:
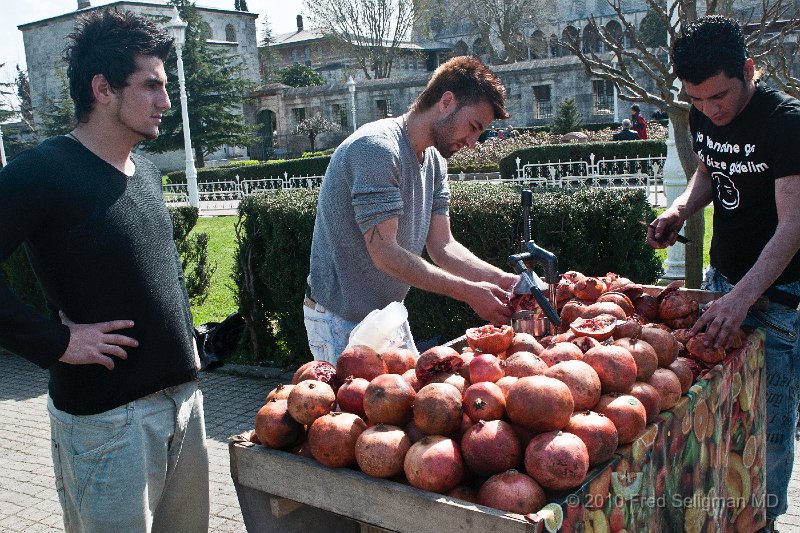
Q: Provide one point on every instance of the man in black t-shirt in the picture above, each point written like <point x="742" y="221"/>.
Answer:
<point x="745" y="136"/>
<point x="126" y="414"/>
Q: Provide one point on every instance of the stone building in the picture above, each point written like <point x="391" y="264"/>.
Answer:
<point x="44" y="41"/>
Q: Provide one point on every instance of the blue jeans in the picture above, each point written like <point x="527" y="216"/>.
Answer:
<point x="328" y="333"/>
<point x="782" y="365"/>
<point x="140" y="467"/>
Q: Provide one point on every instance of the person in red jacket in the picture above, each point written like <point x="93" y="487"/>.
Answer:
<point x="638" y="123"/>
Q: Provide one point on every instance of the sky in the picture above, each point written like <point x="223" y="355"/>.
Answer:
<point x="280" y="13"/>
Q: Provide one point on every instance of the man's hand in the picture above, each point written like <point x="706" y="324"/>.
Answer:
<point x="663" y="231"/>
<point x="721" y="320"/>
<point x="490" y="302"/>
<point x="91" y="344"/>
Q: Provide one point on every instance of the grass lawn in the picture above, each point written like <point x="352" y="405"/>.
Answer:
<point x="221" y="249"/>
<point x="709" y="213"/>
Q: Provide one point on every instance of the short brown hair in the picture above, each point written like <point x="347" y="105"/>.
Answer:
<point x="470" y="81"/>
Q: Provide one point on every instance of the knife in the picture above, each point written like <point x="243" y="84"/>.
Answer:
<point x="680" y="238"/>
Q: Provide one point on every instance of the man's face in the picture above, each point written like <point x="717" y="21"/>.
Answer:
<point x="460" y="127"/>
<point x="720" y="98"/>
<point x="142" y="102"/>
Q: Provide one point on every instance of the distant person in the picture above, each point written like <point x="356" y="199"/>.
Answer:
<point x="626" y="133"/>
<point x="126" y="415"/>
<point x="638" y="123"/>
<point x="385" y="198"/>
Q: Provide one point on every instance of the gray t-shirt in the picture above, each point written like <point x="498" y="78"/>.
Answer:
<point x="373" y="176"/>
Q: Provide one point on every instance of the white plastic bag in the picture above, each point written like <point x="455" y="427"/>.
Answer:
<point x="382" y="328"/>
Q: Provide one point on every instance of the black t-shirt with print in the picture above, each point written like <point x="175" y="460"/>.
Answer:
<point x="744" y="159"/>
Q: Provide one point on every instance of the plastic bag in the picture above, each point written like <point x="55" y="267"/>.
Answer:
<point x="382" y="328"/>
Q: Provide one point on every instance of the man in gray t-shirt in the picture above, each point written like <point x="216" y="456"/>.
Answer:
<point x="385" y="198"/>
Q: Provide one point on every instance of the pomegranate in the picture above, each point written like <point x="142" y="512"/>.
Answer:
<point x="676" y="308"/>
<point x="589" y="288"/>
<point x="572" y="309"/>
<point x="490" y="447"/>
<point x="281" y="392"/>
<point x="388" y="400"/>
<point x="361" y="362"/>
<point x="310" y="400"/>
<point x="434" y="463"/>
<point x="413" y="432"/>
<point x="275" y="427"/>
<point x="485" y="367"/>
<point x="437" y="409"/>
<point x="381" y="450"/>
<point x="604" y="308"/>
<point x="663" y="342"/>
<point x="332" y="438"/>
<point x="398" y="360"/>
<point x="582" y="380"/>
<point x="462" y="492"/>
<point x="539" y="403"/>
<point x="513" y="492"/>
<point x="319" y="371"/>
<point x="411" y="377"/>
<point x="524" y="342"/>
<point x="350" y="395"/>
<point x="586" y="343"/>
<point x="618" y="298"/>
<point x="523" y="434"/>
<point x="597" y="432"/>
<point x="705" y="354"/>
<point x="454" y="379"/>
<point x="646" y="306"/>
<point x="600" y="327"/>
<point x="505" y="383"/>
<point x="628" y="328"/>
<point x="561" y="351"/>
<point x="466" y="357"/>
<point x="650" y="398"/>
<point x="490" y="339"/>
<point x="615" y="366"/>
<point x="626" y="412"/>
<point x="644" y="355"/>
<point x="683" y="372"/>
<point x="521" y="364"/>
<point x="668" y="386"/>
<point x="557" y="460"/>
<point x="484" y="401"/>
<point x="435" y="360"/>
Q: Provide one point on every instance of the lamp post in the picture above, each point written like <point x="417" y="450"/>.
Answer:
<point x="351" y="86"/>
<point x="177" y="30"/>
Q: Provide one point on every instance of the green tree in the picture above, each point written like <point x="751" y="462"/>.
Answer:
<point x="652" y="30"/>
<point x="568" y="118"/>
<point x="298" y="75"/>
<point x="313" y="126"/>
<point x="24" y="95"/>
<point x="266" y="55"/>
<point x="240" y="5"/>
<point x="215" y="91"/>
<point x="58" y="117"/>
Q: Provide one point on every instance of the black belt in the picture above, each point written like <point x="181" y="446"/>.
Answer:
<point x="787" y="299"/>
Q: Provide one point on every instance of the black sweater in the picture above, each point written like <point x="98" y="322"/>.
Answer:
<point x="102" y="248"/>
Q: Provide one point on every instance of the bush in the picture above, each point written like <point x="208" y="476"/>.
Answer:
<point x="580" y="152"/>
<point x="309" y="166"/>
<point x="593" y="230"/>
<point x="193" y="251"/>
<point x="567" y="118"/>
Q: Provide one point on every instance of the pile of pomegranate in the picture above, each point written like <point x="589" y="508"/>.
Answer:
<point x="508" y="418"/>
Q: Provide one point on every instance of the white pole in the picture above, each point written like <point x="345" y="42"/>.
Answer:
<point x="2" y="148"/>
<point x="674" y="185"/>
<point x="191" y="171"/>
<point x="351" y="86"/>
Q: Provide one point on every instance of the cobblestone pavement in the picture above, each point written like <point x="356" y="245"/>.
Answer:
<point x="28" y="500"/>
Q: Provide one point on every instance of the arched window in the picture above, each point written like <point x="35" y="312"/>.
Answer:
<point x="538" y="45"/>
<point x="555" y="49"/>
<point x="460" y="49"/>
<point x="569" y="35"/>
<point x="230" y="33"/>
<point x="479" y="48"/>
<point x="613" y="32"/>
<point x="591" y="40"/>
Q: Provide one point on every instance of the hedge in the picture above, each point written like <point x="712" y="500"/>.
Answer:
<point x="593" y="230"/>
<point x="580" y="152"/>
<point x="307" y="166"/>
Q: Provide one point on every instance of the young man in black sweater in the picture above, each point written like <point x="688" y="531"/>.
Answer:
<point x="128" y="437"/>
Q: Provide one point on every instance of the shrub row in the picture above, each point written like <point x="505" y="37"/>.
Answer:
<point x="307" y="166"/>
<point x="580" y="152"/>
<point x="593" y="230"/>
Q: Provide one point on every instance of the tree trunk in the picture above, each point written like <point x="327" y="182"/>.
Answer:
<point x="695" y="225"/>
<point x="199" y="157"/>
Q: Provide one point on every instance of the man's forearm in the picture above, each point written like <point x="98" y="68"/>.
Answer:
<point x="459" y="260"/>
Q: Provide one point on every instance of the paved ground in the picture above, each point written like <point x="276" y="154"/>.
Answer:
<point x="28" y="500"/>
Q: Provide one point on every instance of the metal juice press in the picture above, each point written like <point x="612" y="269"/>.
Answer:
<point x="541" y="318"/>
